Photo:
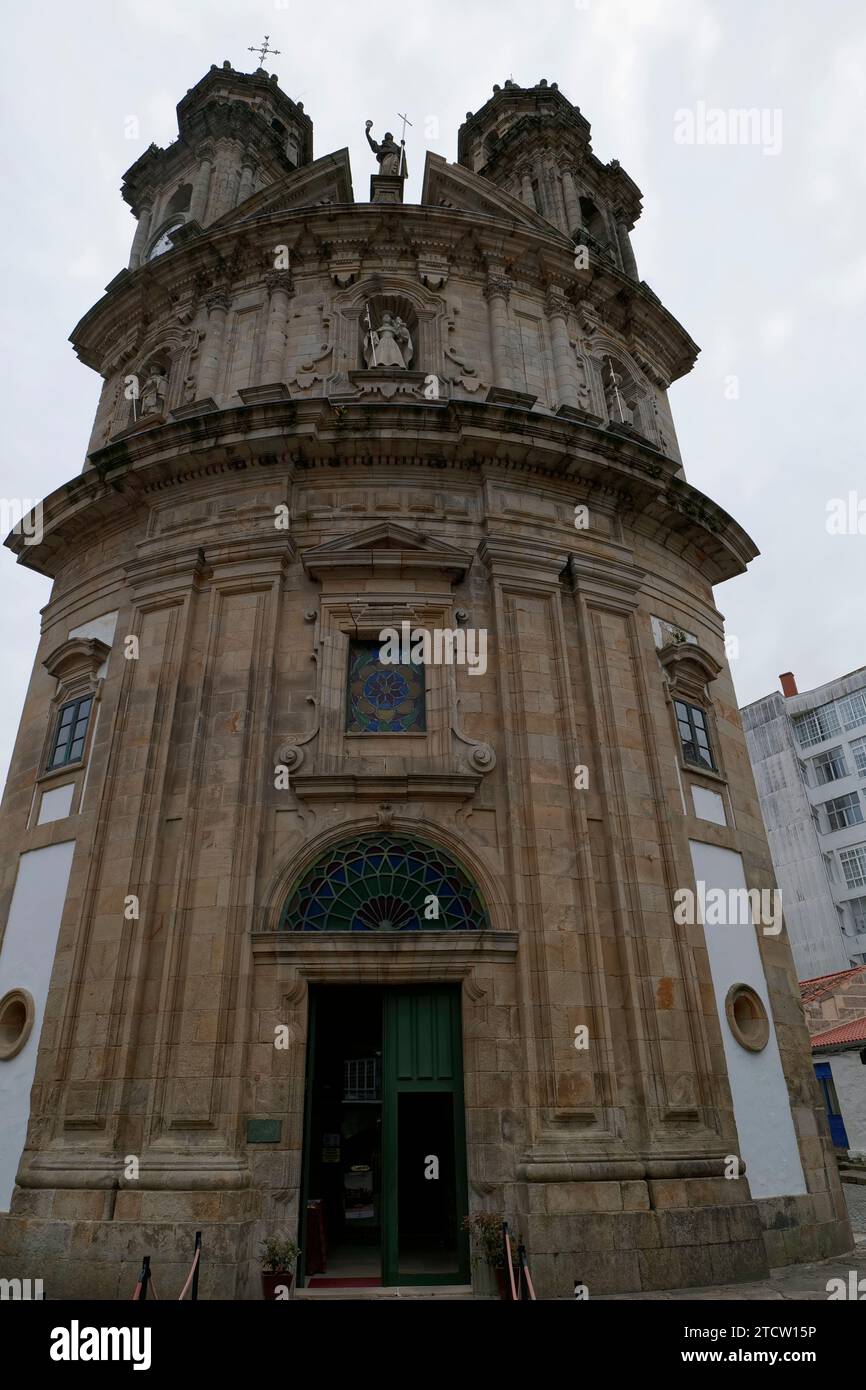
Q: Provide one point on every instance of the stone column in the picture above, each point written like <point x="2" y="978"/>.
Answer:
<point x="280" y="290"/>
<point x="628" y="260"/>
<point x="526" y="186"/>
<point x="554" y="194"/>
<point x="212" y="356"/>
<point x="245" y="187"/>
<point x="557" y="307"/>
<point x="198" y="202"/>
<point x="572" y="202"/>
<point x="139" y="241"/>
<point x="497" y="292"/>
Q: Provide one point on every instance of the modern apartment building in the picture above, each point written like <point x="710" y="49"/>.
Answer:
<point x="808" y="753"/>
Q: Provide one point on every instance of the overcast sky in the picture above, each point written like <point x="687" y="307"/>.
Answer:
<point x="757" y="248"/>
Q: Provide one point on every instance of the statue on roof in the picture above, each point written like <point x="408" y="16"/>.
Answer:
<point x="390" y="155"/>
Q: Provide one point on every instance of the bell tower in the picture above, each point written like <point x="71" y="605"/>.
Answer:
<point x="237" y="133"/>
<point x="533" y="143"/>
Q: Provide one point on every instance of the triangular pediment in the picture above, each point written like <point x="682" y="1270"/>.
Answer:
<point x="326" y="180"/>
<point x="387" y="546"/>
<point x="450" y="185"/>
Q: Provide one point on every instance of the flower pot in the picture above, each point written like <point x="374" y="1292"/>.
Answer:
<point x="276" y="1285"/>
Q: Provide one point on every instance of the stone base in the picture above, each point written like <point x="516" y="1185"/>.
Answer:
<point x="102" y="1259"/>
<point x="615" y="1237"/>
<point x="635" y="1236"/>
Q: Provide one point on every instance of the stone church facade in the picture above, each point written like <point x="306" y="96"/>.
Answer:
<point x="320" y="419"/>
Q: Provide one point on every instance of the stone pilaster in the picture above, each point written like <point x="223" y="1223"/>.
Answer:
<point x="279" y="297"/>
<point x="201" y="189"/>
<point x="564" y="362"/>
<point x="497" y="292"/>
<point x="212" y="351"/>
<point x="572" y="202"/>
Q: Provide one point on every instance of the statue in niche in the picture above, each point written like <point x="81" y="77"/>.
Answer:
<point x="389" y="154"/>
<point x="389" y="345"/>
<point x="154" y="391"/>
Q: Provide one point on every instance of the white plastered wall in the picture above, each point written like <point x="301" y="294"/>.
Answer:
<point x="26" y="960"/>
<point x="762" y="1107"/>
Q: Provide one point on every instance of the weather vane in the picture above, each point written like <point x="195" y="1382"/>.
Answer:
<point x="263" y="51"/>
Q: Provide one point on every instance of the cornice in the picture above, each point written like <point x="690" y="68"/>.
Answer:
<point x="287" y="438"/>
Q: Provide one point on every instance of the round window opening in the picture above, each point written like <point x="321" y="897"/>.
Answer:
<point x="16" y="1020"/>
<point x="747" y="1017"/>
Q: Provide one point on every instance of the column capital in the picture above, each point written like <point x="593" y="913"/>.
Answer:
<point x="611" y="584"/>
<point x="280" y="280"/>
<point x="556" y="304"/>
<point x="498" y="286"/>
<point x="218" y="303"/>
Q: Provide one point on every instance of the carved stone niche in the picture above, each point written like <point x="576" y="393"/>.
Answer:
<point x="688" y="669"/>
<point x="75" y="665"/>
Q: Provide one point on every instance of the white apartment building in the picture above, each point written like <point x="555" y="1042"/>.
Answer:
<point x="808" y="753"/>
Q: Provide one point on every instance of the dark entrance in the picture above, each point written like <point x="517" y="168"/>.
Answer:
<point x="384" y="1139"/>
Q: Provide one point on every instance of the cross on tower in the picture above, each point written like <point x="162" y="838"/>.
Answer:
<point x="263" y="51"/>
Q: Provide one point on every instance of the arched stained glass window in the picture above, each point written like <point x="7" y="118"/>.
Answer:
<point x="384" y="883"/>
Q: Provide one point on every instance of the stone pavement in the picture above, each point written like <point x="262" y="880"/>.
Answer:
<point x="792" y="1282"/>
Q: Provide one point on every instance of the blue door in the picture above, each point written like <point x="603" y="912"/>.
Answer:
<point x="831" y="1105"/>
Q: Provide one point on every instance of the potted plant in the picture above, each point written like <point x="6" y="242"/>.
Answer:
<point x="488" y="1246"/>
<point x="278" y="1257"/>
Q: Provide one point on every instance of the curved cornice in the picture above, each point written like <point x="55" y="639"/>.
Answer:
<point x="288" y="437"/>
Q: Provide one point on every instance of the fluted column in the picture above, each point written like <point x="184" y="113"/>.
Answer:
<point x="198" y="202"/>
<point x="139" y="241"/>
<point x="212" y="355"/>
<point x="572" y="202"/>
<point x="497" y="293"/>
<point x="564" y="366"/>
<point x="280" y="291"/>
<point x="628" y="260"/>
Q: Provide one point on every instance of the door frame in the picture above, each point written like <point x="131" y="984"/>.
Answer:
<point x="391" y="1089"/>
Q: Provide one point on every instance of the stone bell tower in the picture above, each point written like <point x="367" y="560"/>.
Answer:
<point x="237" y="132"/>
<point x="535" y="144"/>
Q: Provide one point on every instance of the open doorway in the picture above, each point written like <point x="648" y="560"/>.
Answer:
<point x="384" y="1140"/>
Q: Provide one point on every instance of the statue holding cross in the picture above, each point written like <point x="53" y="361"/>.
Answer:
<point x="391" y="157"/>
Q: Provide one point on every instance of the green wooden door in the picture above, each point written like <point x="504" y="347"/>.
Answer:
<point x="424" y="1140"/>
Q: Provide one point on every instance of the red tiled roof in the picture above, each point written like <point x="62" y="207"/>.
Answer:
<point x="813" y="990"/>
<point x="854" y="1031"/>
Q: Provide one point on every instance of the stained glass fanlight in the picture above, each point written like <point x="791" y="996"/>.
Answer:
<point x="384" y="883"/>
<point x="383" y="698"/>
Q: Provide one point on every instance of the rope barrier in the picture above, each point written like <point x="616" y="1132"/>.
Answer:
<point x="192" y="1271"/>
<point x="508" y="1264"/>
<point x="145" y="1278"/>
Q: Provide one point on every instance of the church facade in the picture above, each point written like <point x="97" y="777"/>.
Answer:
<point x="380" y="842"/>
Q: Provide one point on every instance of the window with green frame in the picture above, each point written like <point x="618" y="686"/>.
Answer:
<point x="383" y="697"/>
<point x="70" y="732"/>
<point x="385" y="883"/>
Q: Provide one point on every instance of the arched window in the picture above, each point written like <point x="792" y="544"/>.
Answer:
<point x="385" y="883"/>
<point x="179" y="200"/>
